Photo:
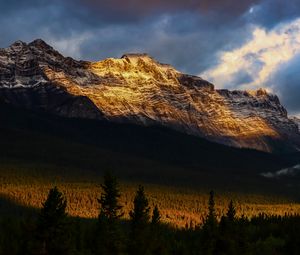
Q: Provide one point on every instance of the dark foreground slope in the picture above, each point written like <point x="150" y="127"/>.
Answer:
<point x="84" y="149"/>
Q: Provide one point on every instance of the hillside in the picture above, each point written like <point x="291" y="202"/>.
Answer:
<point x="154" y="155"/>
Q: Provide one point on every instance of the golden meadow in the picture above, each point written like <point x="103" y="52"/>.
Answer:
<point x="180" y="206"/>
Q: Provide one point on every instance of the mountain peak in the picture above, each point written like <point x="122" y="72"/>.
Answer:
<point x="41" y="44"/>
<point x="261" y="92"/>
<point x="140" y="59"/>
<point x="135" y="58"/>
<point x="258" y="92"/>
<point x="18" y="45"/>
<point x="136" y="55"/>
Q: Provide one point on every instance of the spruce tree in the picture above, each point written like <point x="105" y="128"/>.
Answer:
<point x="157" y="242"/>
<point x="140" y="213"/>
<point x="109" y="199"/>
<point x="210" y="227"/>
<point x="109" y="238"/>
<point x="155" y="216"/>
<point x="228" y="238"/>
<point x="139" y="216"/>
<point x="211" y="220"/>
<point x="231" y="212"/>
<point x="53" y="233"/>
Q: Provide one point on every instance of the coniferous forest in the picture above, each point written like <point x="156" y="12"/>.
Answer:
<point x="52" y="231"/>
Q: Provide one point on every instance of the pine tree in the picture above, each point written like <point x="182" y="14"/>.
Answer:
<point x="157" y="242"/>
<point x="109" y="200"/>
<point x="231" y="212"/>
<point x="210" y="227"/>
<point x="53" y="232"/>
<point x="139" y="216"/>
<point x="140" y="213"/>
<point x="211" y="217"/>
<point x="109" y="234"/>
<point x="155" y="216"/>
<point x="229" y="239"/>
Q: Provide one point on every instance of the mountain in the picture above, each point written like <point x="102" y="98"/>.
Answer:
<point x="139" y="90"/>
<point x="297" y="121"/>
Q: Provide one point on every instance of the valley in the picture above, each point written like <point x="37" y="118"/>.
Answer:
<point x="39" y="151"/>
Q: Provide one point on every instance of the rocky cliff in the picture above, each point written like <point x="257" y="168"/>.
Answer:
<point x="138" y="89"/>
<point x="297" y="121"/>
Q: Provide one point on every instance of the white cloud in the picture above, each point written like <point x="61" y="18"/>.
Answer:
<point x="292" y="171"/>
<point x="69" y="46"/>
<point x="253" y="64"/>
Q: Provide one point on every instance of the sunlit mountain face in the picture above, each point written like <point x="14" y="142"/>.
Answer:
<point x="138" y="89"/>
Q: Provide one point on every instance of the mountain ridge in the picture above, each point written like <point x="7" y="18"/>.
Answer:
<point x="138" y="89"/>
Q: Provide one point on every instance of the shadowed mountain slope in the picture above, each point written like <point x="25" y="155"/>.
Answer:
<point x="56" y="146"/>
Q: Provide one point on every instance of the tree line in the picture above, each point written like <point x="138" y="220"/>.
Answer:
<point x="53" y="232"/>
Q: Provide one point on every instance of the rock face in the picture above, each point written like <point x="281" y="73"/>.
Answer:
<point x="297" y="121"/>
<point x="137" y="89"/>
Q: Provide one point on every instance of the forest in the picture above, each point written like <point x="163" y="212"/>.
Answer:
<point x="51" y="230"/>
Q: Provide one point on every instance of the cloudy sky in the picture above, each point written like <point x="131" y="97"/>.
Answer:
<point x="235" y="44"/>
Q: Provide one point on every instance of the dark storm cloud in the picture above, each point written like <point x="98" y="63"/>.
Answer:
<point x="140" y="8"/>
<point x="91" y="11"/>
<point x="286" y="83"/>
<point x="184" y="40"/>
<point x="192" y="32"/>
<point x="270" y="12"/>
<point x="188" y="34"/>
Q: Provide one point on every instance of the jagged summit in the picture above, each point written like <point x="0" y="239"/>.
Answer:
<point x="39" y="43"/>
<point x="136" y="55"/>
<point x="36" y="42"/>
<point x="138" y="89"/>
<point x="18" y="43"/>
<point x="17" y="46"/>
<point x="137" y="58"/>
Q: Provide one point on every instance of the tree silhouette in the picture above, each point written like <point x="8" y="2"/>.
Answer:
<point x="52" y="228"/>
<point x="231" y="212"/>
<point x="53" y="232"/>
<point x="140" y="213"/>
<point x="139" y="217"/>
<point x="211" y="220"/>
<point x="157" y="240"/>
<point x="229" y="241"/>
<point x="109" y="235"/>
<point x="155" y="216"/>
<point x="109" y="200"/>
<point x="210" y="227"/>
